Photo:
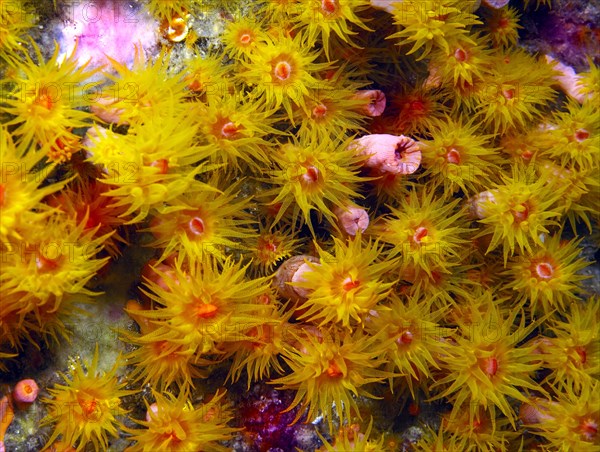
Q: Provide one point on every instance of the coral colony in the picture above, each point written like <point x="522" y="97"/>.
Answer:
<point x="349" y="220"/>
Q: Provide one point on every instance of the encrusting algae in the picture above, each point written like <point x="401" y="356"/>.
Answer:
<point x="351" y="206"/>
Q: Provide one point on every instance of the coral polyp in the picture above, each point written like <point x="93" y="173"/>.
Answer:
<point x="202" y="222"/>
<point x="174" y="424"/>
<point x="205" y="305"/>
<point x="487" y="366"/>
<point x="43" y="98"/>
<point x="550" y="277"/>
<point x="346" y="285"/>
<point x="86" y="408"/>
<point x="517" y="212"/>
<point x="456" y="157"/>
<point x="431" y="25"/>
<point x="281" y="71"/>
<point x="328" y="368"/>
<point x="423" y="230"/>
<point x="314" y="176"/>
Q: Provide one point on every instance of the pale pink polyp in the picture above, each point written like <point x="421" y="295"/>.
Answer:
<point x="477" y="204"/>
<point x="377" y="101"/>
<point x="26" y="391"/>
<point x="151" y="409"/>
<point x="352" y="219"/>
<point x="390" y="153"/>
<point x="568" y="79"/>
<point x="496" y="4"/>
<point x="298" y="276"/>
<point x="386" y="5"/>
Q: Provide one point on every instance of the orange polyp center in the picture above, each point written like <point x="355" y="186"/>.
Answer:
<point x="45" y="264"/>
<point x="490" y="366"/>
<point x="2" y="191"/>
<point x="521" y="214"/>
<point x="229" y="129"/>
<point x="417" y="105"/>
<point x="503" y="22"/>
<point x="329" y="6"/>
<point x="206" y="311"/>
<point x="88" y="406"/>
<point x="319" y="111"/>
<point x="28" y="389"/>
<point x="581" y="135"/>
<point x="162" y="165"/>
<point x="527" y="154"/>
<point x="245" y="38"/>
<point x="544" y="270"/>
<point x="263" y="299"/>
<point x="195" y="85"/>
<point x="582" y="354"/>
<point x="589" y="429"/>
<point x="460" y="55"/>
<point x="43" y="100"/>
<point x="420" y="234"/>
<point x="283" y="70"/>
<point x="453" y="156"/>
<point x="196" y="226"/>
<point x="171" y="437"/>
<point x="177" y="29"/>
<point x="333" y="370"/>
<point x="508" y="93"/>
<point x="349" y="284"/>
<point x="405" y="338"/>
<point x="311" y="176"/>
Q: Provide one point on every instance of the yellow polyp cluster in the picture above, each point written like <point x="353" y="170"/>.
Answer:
<point x="571" y="349"/>
<point x="281" y="71"/>
<point x="241" y="37"/>
<point x="479" y="434"/>
<point x="234" y="131"/>
<point x="338" y="200"/>
<point x="86" y="409"/>
<point x="572" y="137"/>
<point x="327" y="367"/>
<point x="518" y="211"/>
<point x="313" y="176"/>
<point x="148" y="166"/>
<point x="202" y="222"/>
<point x="322" y="20"/>
<point x="21" y="190"/>
<point x="174" y="424"/>
<point x="417" y="339"/>
<point x="47" y="257"/>
<point x="44" y="99"/>
<point x="589" y="82"/>
<point x="201" y="309"/>
<point x="344" y="286"/>
<point x="548" y="278"/>
<point x="502" y="26"/>
<point x="429" y="25"/>
<point x="270" y="247"/>
<point x="331" y="110"/>
<point x="569" y="422"/>
<point x="146" y="91"/>
<point x="423" y="231"/>
<point x="486" y="366"/>
<point x="259" y="354"/>
<point x="457" y="157"/>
